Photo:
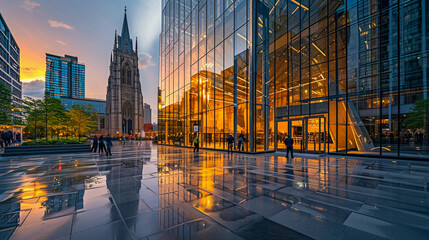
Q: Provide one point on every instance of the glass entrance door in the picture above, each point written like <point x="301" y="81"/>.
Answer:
<point x="315" y="135"/>
<point x="294" y="128"/>
<point x="309" y="134"/>
<point x="296" y="132"/>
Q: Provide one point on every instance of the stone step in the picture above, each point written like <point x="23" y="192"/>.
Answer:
<point x="45" y="149"/>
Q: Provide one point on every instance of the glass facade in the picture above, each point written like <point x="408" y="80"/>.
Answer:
<point x="65" y="77"/>
<point x="98" y="105"/>
<point x="338" y="76"/>
<point x="10" y="62"/>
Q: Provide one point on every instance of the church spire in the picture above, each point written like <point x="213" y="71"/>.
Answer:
<point x="115" y="45"/>
<point x="125" y="31"/>
<point x="125" y="42"/>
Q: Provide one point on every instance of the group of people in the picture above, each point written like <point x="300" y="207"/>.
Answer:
<point x="230" y="140"/>
<point x="7" y="138"/>
<point x="104" y="144"/>
<point x="415" y="137"/>
<point x="123" y="140"/>
<point x="288" y="141"/>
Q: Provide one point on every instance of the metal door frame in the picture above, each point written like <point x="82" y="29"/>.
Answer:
<point x="304" y="121"/>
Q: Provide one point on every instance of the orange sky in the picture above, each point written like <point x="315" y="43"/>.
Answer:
<point x="84" y="29"/>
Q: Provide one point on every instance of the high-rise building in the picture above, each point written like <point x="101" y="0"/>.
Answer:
<point x="124" y="100"/>
<point x="65" y="76"/>
<point x="341" y="76"/>
<point x="147" y="114"/>
<point x="10" y="62"/>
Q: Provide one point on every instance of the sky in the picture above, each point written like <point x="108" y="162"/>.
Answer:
<point x="86" y="29"/>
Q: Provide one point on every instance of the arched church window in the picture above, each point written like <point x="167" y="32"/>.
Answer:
<point x="126" y="74"/>
<point x="129" y="76"/>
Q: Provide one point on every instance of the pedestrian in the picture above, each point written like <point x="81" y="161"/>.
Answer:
<point x="101" y="146"/>
<point x="289" y="146"/>
<point x="391" y="137"/>
<point x="109" y="144"/>
<point x="196" y="144"/>
<point x="420" y="137"/>
<point x="409" y="135"/>
<point x="8" y="138"/>
<point x="241" y="141"/>
<point x="230" y="140"/>
<point x="2" y="139"/>
<point x="18" y="137"/>
<point x="94" y="144"/>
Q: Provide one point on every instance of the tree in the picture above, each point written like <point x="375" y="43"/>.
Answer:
<point x="33" y="112"/>
<point x="83" y="120"/>
<point x="53" y="112"/>
<point x="419" y="116"/>
<point x="5" y="104"/>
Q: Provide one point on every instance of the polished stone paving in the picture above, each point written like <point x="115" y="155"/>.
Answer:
<point x="146" y="191"/>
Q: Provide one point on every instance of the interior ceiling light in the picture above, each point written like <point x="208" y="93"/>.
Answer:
<point x="299" y="4"/>
<point x="319" y="49"/>
<point x="272" y="9"/>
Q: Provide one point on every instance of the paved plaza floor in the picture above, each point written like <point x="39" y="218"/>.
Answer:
<point x="146" y="191"/>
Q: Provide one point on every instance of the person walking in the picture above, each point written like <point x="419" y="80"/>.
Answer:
<point x="101" y="146"/>
<point x="1" y="139"/>
<point x="230" y="140"/>
<point x="8" y="138"/>
<point x="289" y="146"/>
<point x="196" y="144"/>
<point x="18" y="137"/>
<point x="94" y="144"/>
<point x="109" y="145"/>
<point x="241" y="141"/>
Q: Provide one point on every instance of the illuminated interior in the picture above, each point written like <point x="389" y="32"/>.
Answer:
<point x="314" y="69"/>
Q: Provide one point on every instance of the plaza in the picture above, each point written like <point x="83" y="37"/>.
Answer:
<point x="146" y="191"/>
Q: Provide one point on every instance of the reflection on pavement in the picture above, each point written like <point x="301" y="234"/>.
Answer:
<point x="146" y="191"/>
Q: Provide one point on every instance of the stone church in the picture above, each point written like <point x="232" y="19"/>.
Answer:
<point x="124" y="100"/>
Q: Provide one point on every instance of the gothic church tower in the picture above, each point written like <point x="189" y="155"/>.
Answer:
<point x="124" y="107"/>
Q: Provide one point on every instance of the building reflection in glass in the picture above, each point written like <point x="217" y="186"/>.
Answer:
<point x="335" y="75"/>
<point x="57" y="188"/>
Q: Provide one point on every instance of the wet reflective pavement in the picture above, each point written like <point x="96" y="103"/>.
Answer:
<point x="150" y="192"/>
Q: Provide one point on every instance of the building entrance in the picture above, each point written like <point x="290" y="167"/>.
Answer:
<point x="309" y="133"/>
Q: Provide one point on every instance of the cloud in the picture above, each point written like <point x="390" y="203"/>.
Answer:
<point x="146" y="12"/>
<point x="56" y="24"/>
<point x="145" y="60"/>
<point x="61" y="42"/>
<point x="30" y="5"/>
<point x="33" y="88"/>
<point x="28" y="69"/>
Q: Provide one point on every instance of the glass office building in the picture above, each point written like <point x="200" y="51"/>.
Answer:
<point x="99" y="107"/>
<point x="65" y="77"/>
<point x="345" y="77"/>
<point x="10" y="62"/>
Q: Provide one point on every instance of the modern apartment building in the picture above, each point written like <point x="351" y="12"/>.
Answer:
<point x="341" y="76"/>
<point x="10" y="62"/>
<point x="65" y="76"/>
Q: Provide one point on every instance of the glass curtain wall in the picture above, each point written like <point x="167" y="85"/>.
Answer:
<point x="338" y="76"/>
<point x="351" y="75"/>
<point x="204" y="80"/>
